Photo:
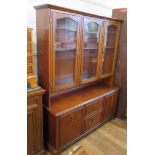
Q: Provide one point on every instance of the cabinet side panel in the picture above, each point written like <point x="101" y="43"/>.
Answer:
<point x="50" y="132"/>
<point x="43" y="49"/>
<point x="121" y="65"/>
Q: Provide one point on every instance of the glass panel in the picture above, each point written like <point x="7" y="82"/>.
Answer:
<point x="111" y="36"/>
<point x="90" y="53"/>
<point x="65" y="52"/>
<point x="108" y="61"/>
<point x="109" y="49"/>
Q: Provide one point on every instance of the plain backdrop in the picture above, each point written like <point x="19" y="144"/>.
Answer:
<point x="141" y="77"/>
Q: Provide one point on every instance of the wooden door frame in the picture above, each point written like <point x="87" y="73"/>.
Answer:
<point x="99" y="22"/>
<point x="64" y="86"/>
<point x="117" y="24"/>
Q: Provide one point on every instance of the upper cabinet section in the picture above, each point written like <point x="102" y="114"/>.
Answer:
<point x="65" y="50"/>
<point x="74" y="47"/>
<point x="110" y="47"/>
<point x="91" y="29"/>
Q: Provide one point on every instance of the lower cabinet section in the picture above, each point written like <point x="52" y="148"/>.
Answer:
<point x="66" y="127"/>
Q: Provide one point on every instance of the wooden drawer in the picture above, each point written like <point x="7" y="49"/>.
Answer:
<point x="90" y="123"/>
<point x="99" y="118"/>
<point x="70" y="126"/>
<point x="94" y="120"/>
<point x="93" y="107"/>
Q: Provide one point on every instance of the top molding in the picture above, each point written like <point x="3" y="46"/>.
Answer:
<point x="55" y="7"/>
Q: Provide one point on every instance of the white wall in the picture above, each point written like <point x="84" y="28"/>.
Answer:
<point x="73" y="4"/>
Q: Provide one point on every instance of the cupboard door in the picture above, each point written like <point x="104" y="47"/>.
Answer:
<point x="90" y="49"/>
<point x="99" y="118"/>
<point x="110" y="104"/>
<point x="65" y="54"/>
<point x="110" y="47"/>
<point x="70" y="126"/>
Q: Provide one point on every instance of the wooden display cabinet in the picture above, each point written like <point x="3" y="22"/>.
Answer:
<point x="76" y="62"/>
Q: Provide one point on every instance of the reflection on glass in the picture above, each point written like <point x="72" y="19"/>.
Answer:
<point x="109" y="49"/>
<point x="90" y="53"/>
<point x="65" y="51"/>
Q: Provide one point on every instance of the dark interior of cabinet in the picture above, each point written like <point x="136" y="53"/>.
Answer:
<point x="109" y="49"/>
<point x="90" y="51"/>
<point x="65" y="52"/>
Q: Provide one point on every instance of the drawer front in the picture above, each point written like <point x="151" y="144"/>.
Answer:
<point x="89" y="123"/>
<point x="90" y="108"/>
<point x="93" y="107"/>
<point x="99" y="105"/>
<point x="94" y="120"/>
<point x="70" y="126"/>
<point x="98" y="118"/>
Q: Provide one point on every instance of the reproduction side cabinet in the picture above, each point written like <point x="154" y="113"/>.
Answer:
<point x="35" y="123"/>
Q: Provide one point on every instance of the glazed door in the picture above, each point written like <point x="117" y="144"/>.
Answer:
<point x="90" y="49"/>
<point x="65" y="50"/>
<point x="110" y="48"/>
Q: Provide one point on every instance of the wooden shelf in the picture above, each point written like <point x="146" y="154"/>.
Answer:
<point x="69" y="79"/>
<point x="90" y="48"/>
<point x="66" y="102"/>
<point x="91" y="32"/>
<point x="109" y="47"/>
<point x="85" y="75"/>
<point x="64" y="49"/>
<point x="112" y="33"/>
<point x="59" y="29"/>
